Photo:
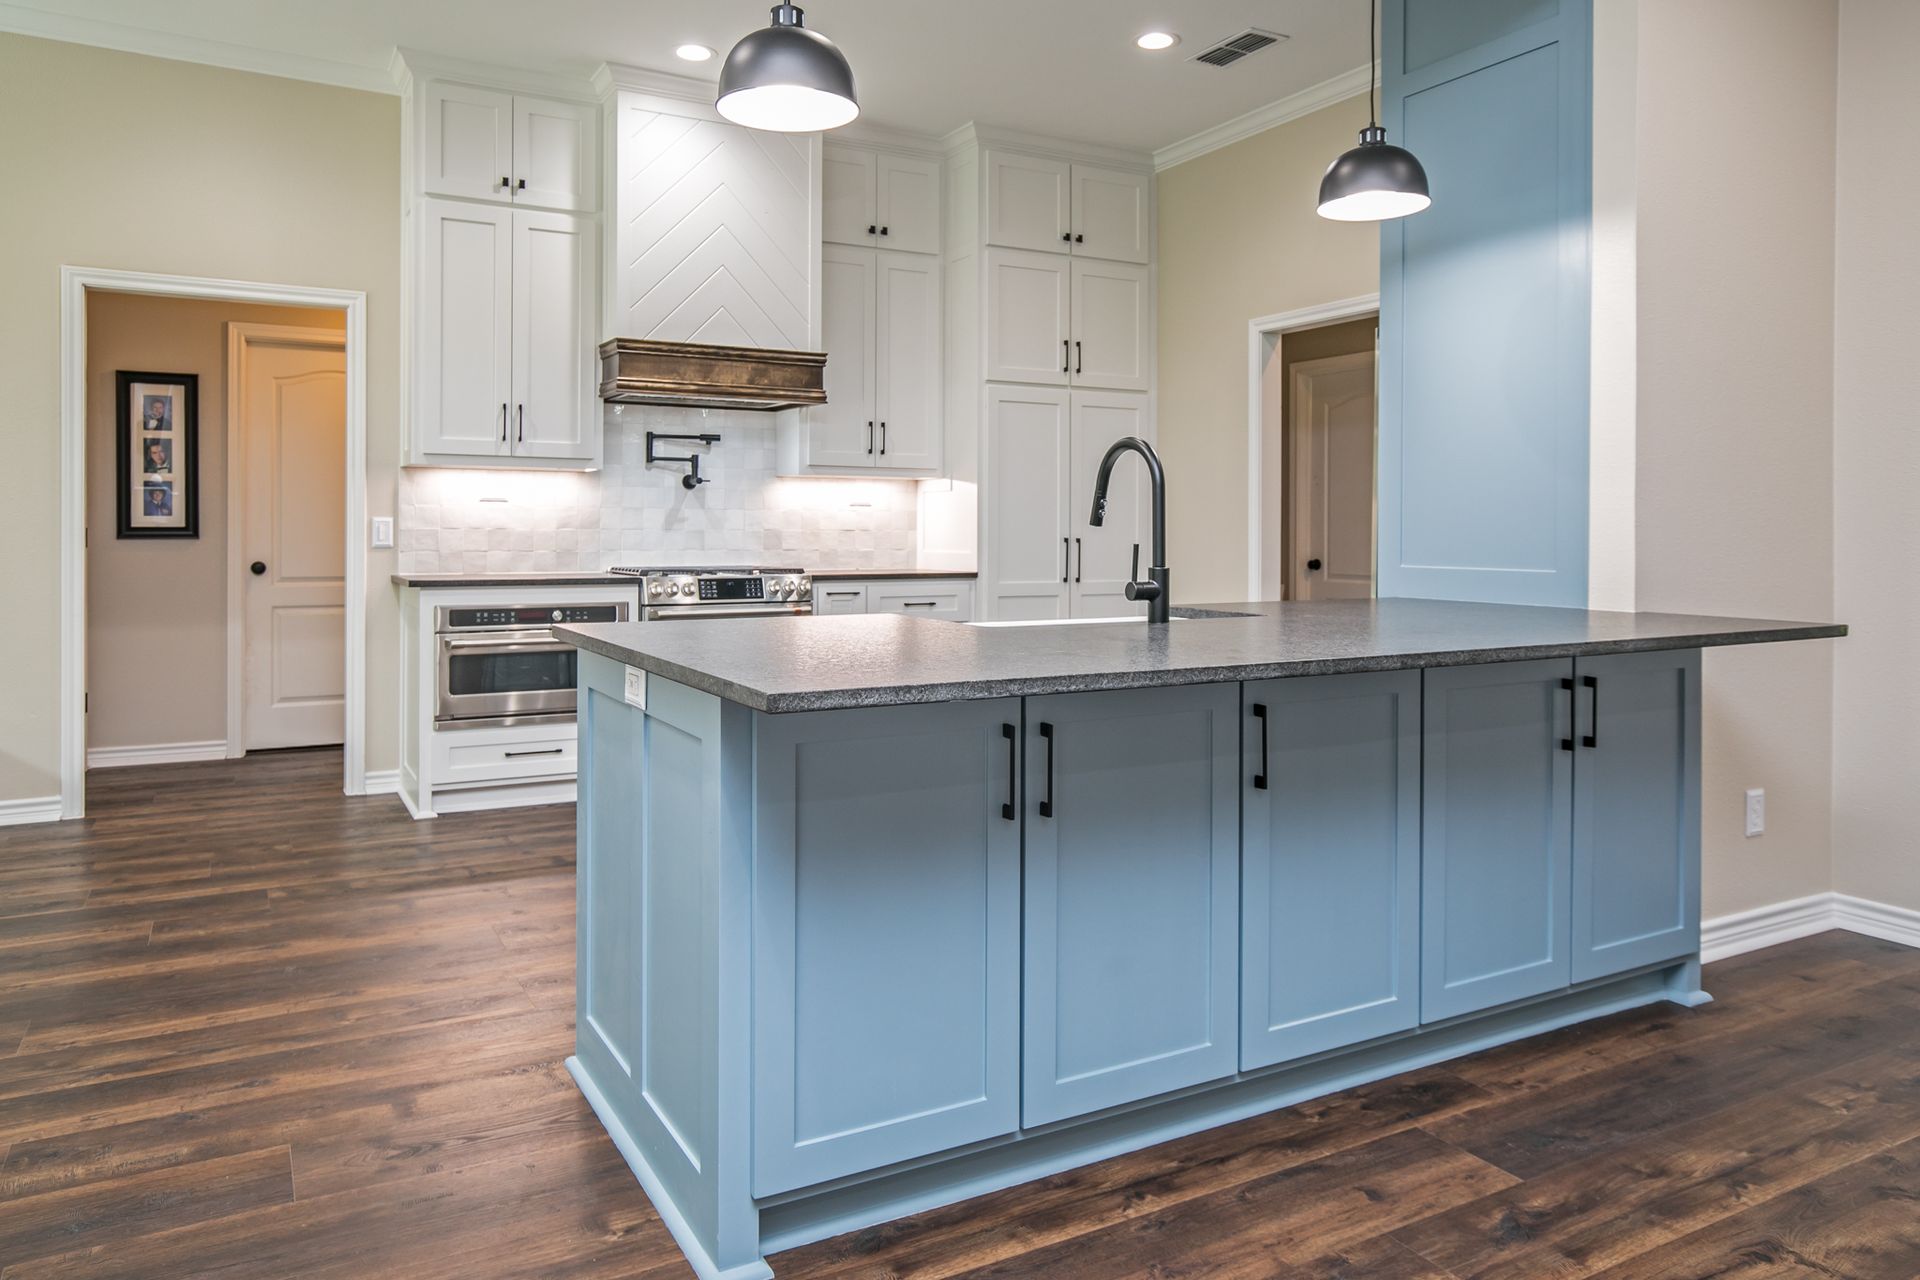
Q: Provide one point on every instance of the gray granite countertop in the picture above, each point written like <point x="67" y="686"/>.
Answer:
<point x="835" y="663"/>
<point x="512" y="579"/>
<point x="888" y="575"/>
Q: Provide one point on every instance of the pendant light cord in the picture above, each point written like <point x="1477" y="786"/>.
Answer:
<point x="1373" y="34"/>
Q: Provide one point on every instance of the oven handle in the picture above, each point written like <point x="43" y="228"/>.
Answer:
<point x="539" y="640"/>
<point x="671" y="612"/>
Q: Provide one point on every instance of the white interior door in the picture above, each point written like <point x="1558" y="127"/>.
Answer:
<point x="1027" y="338"/>
<point x="907" y="362"/>
<point x="554" y="407"/>
<point x="291" y="432"/>
<point x="843" y="431"/>
<point x="1110" y="325"/>
<point x="1333" y="497"/>
<point x="1028" y="561"/>
<point x="1103" y="557"/>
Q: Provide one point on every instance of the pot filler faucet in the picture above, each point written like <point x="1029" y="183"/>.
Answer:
<point x="1154" y="589"/>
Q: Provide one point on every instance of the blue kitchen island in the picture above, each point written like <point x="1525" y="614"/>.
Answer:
<point x="878" y="913"/>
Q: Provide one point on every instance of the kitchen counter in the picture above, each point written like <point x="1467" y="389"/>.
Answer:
<point x="891" y="575"/>
<point x="510" y="579"/>
<point x="837" y="663"/>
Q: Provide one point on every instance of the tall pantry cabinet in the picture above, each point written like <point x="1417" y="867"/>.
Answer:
<point x="1051" y="351"/>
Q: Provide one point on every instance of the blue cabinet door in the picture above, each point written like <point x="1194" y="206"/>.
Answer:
<point x="1132" y="927"/>
<point x="1496" y="839"/>
<point x="1636" y="812"/>
<point x="886" y="918"/>
<point x="1329" y="863"/>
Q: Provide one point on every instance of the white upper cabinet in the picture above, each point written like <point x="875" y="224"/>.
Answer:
<point x="879" y="199"/>
<point x="1110" y="325"/>
<point x="1028" y="199"/>
<point x="844" y="431"/>
<point x="1110" y="214"/>
<point x="554" y="405"/>
<point x="1028" y="338"/>
<point x="907" y="364"/>
<point x="1052" y="206"/>
<point x="482" y="144"/>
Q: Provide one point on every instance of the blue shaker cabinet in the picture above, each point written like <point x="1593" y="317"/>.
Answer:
<point x="1497" y="834"/>
<point x="1330" y="863"/>
<point x="1636" y="811"/>
<point x="1132" y="924"/>
<point x="886" y="919"/>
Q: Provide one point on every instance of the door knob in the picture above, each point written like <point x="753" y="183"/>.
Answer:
<point x="258" y="567"/>
<point x="1313" y="565"/>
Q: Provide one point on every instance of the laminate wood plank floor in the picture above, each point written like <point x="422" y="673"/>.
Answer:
<point x="250" y="1027"/>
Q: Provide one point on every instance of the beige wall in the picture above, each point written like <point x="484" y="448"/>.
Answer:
<point x="1876" y="679"/>
<point x="1238" y="239"/>
<point x="157" y="607"/>
<point x="1734" y="466"/>
<point x="141" y="164"/>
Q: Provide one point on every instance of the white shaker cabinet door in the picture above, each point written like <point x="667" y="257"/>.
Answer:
<point x="844" y="431"/>
<point x="463" y="374"/>
<point x="1027" y="331"/>
<point x="847" y="196"/>
<point x="907" y="362"/>
<point x="555" y="413"/>
<point x="1103" y="557"/>
<point x="553" y="154"/>
<point x="1110" y="214"/>
<point x="1111" y="326"/>
<point x="1028" y="202"/>
<point x="468" y="148"/>
<point x="1026" y="518"/>
<point x="908" y="204"/>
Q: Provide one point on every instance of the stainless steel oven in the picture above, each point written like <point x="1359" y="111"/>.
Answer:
<point x="668" y="595"/>
<point x="502" y="665"/>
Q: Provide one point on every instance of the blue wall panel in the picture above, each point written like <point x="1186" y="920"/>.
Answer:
<point x="1484" y="329"/>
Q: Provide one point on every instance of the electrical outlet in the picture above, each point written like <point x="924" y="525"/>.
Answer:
<point x="1756" y="811"/>
<point x="382" y="532"/>
<point x="636" y="687"/>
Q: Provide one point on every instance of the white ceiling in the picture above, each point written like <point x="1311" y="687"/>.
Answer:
<point x="1066" y="67"/>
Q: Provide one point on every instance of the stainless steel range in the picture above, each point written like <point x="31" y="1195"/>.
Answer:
<point x="668" y="594"/>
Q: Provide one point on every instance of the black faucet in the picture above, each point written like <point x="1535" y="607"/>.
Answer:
<point x="1154" y="589"/>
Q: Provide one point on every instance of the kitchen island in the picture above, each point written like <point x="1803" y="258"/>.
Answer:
<point x="879" y="913"/>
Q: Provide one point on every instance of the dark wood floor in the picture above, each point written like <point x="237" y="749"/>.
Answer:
<point x="251" y="1028"/>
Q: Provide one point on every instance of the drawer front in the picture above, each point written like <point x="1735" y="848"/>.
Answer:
<point x="839" y="597"/>
<point x="950" y="600"/>
<point x="471" y="756"/>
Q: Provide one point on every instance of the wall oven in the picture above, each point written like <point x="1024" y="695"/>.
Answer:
<point x="502" y="665"/>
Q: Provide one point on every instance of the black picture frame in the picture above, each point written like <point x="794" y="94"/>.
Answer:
<point x="158" y="452"/>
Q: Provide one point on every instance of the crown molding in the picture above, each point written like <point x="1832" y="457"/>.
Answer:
<point x="1346" y="85"/>
<point x="610" y="77"/>
<point x="22" y="20"/>
<point x="974" y="133"/>
<point x="408" y="64"/>
<point x="862" y="134"/>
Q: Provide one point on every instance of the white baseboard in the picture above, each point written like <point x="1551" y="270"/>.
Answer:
<point x="1768" y="926"/>
<point x="158" y="753"/>
<point x="383" y="782"/>
<point x="19" y="813"/>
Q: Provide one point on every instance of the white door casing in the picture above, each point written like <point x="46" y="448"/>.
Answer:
<point x="1332" y="462"/>
<point x="554" y="404"/>
<point x="1026" y="566"/>
<point x="1103" y="557"/>
<point x="290" y="432"/>
<point x="908" y="387"/>
<point x="1028" y="299"/>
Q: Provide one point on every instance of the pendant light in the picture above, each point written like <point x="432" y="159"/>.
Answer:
<point x="787" y="79"/>
<point x="1374" y="181"/>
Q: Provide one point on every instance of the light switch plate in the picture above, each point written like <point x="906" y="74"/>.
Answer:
<point x="636" y="687"/>
<point x="1756" y="811"/>
<point x="382" y="532"/>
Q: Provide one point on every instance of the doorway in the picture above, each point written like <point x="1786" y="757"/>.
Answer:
<point x="1312" y="441"/>
<point x="313" y="307"/>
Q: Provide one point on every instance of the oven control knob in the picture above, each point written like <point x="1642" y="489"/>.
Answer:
<point x="806" y="586"/>
<point x="654" y="589"/>
<point x="558" y="616"/>
<point x="673" y="588"/>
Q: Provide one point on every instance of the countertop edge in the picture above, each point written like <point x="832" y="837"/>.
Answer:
<point x="1094" y="682"/>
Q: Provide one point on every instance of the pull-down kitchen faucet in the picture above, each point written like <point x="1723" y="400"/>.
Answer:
<point x="1154" y="588"/>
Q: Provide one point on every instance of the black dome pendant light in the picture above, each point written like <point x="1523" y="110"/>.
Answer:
<point x="1376" y="180"/>
<point x="787" y="79"/>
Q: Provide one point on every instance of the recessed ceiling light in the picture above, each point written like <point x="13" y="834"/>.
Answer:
<point x="693" y="52"/>
<point x="1157" y="40"/>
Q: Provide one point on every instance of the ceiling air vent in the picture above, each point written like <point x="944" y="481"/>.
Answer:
<point x="1225" y="53"/>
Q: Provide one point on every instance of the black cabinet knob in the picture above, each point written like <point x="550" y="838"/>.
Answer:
<point x="1313" y="565"/>
<point x="258" y="567"/>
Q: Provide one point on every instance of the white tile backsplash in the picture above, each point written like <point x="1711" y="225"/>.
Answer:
<point x="470" y="521"/>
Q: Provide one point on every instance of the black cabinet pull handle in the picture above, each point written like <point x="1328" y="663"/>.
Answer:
<point x="883" y="439"/>
<point x="1046" y="805"/>
<point x="872" y="230"/>
<point x="1066" y="356"/>
<point x="1012" y="736"/>
<point x="1077" y="237"/>
<point x="520" y="423"/>
<point x="1260" y="778"/>
<point x="869" y="437"/>
<point x="1592" y="739"/>
<point x="1079" y="356"/>
<point x="1079" y="559"/>
<point x="918" y="604"/>
<point x="1566" y="744"/>
<point x="506" y="183"/>
<point x="1066" y="557"/>
<point x="521" y="185"/>
<point x="503" y="422"/>
<point x="883" y="231"/>
<point x="549" y="751"/>
<point x="1067" y="236"/>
